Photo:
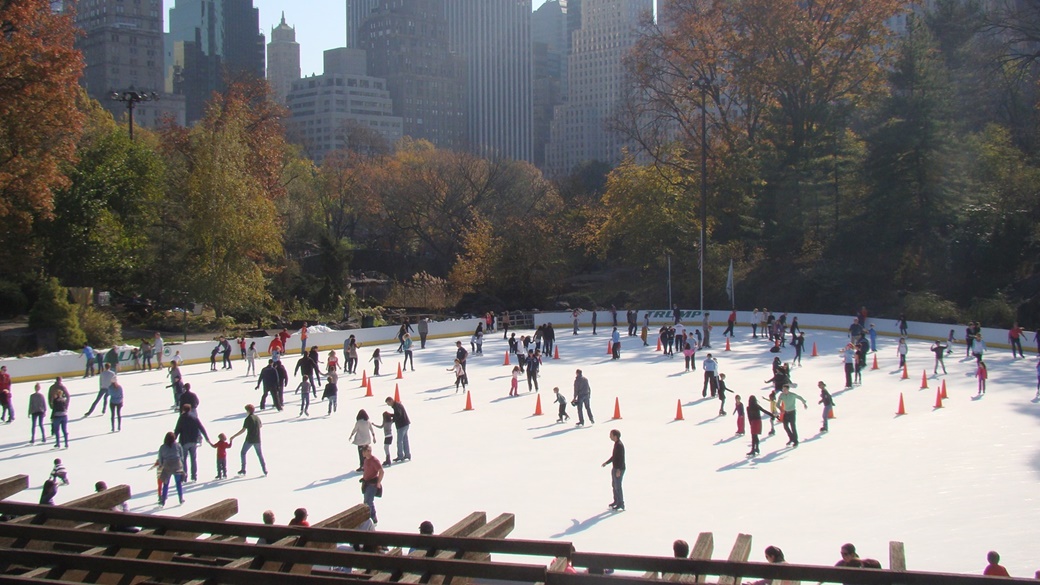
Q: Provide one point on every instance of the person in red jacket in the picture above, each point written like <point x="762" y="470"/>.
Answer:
<point x="994" y="569"/>
<point x="5" y="395"/>
<point x="276" y="345"/>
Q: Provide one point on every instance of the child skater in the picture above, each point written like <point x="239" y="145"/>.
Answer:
<point x="949" y="343"/>
<point x="754" y="414"/>
<point x="981" y="373"/>
<point x="59" y="472"/>
<point x="689" y="353"/>
<point x="516" y="381"/>
<point x="901" y="349"/>
<point x="376" y="360"/>
<point x="772" y="413"/>
<point x="331" y="391"/>
<point x="738" y="410"/>
<point x="460" y="375"/>
<point x="563" y="404"/>
<point x="222" y="445"/>
<point x="388" y="435"/>
<point x="828" y="405"/>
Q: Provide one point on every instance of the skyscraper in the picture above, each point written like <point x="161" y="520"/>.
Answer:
<point x="406" y="42"/>
<point x="596" y="73"/>
<point x="122" y="50"/>
<point x="357" y="12"/>
<point x="493" y="37"/>
<point x="283" y="60"/>
<point x="549" y="45"/>
<point x="211" y="42"/>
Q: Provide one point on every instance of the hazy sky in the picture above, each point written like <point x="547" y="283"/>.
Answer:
<point x="320" y="25"/>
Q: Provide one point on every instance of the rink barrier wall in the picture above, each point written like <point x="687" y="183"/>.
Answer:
<point x="563" y="323"/>
<point x="197" y="352"/>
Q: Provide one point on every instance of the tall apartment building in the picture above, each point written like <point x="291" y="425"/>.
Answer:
<point x="210" y="42"/>
<point x="122" y="47"/>
<point x="406" y="43"/>
<point x="549" y="46"/>
<point x="493" y="37"/>
<point x="358" y="12"/>
<point x="283" y="60"/>
<point x="595" y="76"/>
<point x="327" y="108"/>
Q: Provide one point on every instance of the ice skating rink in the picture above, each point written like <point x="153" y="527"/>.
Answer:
<point x="951" y="483"/>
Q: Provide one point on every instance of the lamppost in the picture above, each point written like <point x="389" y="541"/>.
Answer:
<point x="131" y="98"/>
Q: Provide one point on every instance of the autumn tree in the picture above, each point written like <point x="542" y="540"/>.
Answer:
<point x="226" y="173"/>
<point x="39" y="119"/>
<point x="774" y="76"/>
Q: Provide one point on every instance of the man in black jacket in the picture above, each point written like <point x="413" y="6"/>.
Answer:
<point x="272" y="383"/>
<point x="188" y="430"/>
<point x="402" y="422"/>
<point x="617" y="470"/>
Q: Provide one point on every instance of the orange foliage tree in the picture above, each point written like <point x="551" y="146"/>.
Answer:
<point x="39" y="118"/>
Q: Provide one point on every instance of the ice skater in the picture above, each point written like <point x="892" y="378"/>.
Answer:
<point x="617" y="470"/>
<point x="940" y="349"/>
<point x="222" y="445"/>
<point x="754" y="415"/>
<point x="738" y="411"/>
<point x="828" y="405"/>
<point x="515" y="381"/>
<point x="902" y="350"/>
<point x="722" y="394"/>
<point x="59" y="472"/>
<point x="562" y="415"/>
<point x="376" y="360"/>
<point x="982" y="374"/>
<point x="460" y="375"/>
<point x="789" y="406"/>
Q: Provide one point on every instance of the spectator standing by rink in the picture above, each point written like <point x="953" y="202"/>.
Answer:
<point x="157" y="349"/>
<point x="706" y="325"/>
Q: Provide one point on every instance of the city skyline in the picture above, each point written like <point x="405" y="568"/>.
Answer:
<point x="319" y="25"/>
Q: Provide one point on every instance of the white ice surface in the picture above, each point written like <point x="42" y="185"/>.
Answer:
<point x="951" y="483"/>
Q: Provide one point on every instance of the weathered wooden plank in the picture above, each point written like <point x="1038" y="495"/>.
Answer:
<point x="740" y="553"/>
<point x="463" y="527"/>
<point x="500" y="527"/>
<point x="896" y="556"/>
<point x="12" y="485"/>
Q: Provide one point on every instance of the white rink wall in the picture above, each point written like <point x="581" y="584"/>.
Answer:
<point x="47" y="367"/>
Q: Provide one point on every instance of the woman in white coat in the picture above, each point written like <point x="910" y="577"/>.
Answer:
<point x="363" y="434"/>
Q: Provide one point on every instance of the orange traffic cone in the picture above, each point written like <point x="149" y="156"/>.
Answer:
<point x="906" y="374"/>
<point x="397" y="393"/>
<point x="505" y="362"/>
<point x="944" y="390"/>
<point x="538" y="406"/>
<point x="400" y="374"/>
<point x="678" y="410"/>
<point x="938" y="399"/>
<point x="814" y="354"/>
<point x="780" y="415"/>
<point x="556" y="352"/>
<point x="469" y="402"/>
<point x="610" y="348"/>
<point x="368" y="389"/>
<point x="924" y="379"/>
<point x="832" y="415"/>
<point x="875" y="366"/>
<point x="727" y="344"/>
<point x="901" y="410"/>
<point x="617" y="410"/>
<point x="658" y="344"/>
<point x="364" y="379"/>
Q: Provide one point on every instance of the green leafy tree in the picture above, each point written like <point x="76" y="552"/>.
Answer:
<point x="53" y="311"/>
<point x="99" y="233"/>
